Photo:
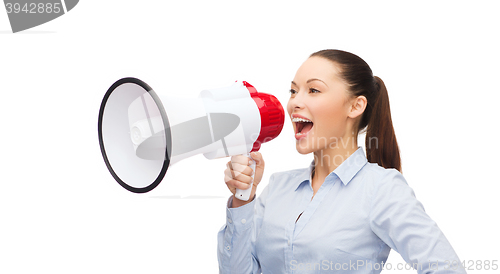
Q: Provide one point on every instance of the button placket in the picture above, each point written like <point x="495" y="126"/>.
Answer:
<point x="305" y="198"/>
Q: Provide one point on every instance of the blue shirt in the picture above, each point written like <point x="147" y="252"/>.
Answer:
<point x="360" y="212"/>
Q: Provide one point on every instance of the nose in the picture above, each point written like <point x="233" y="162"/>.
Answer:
<point x="296" y="103"/>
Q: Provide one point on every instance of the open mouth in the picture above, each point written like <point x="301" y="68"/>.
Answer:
<point x="302" y="126"/>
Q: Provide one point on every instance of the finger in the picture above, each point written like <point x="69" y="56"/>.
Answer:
<point x="239" y="185"/>
<point x="241" y="169"/>
<point x="229" y="173"/>
<point x="238" y="176"/>
<point x="229" y="182"/>
<point x="229" y="170"/>
<point x="241" y="159"/>
<point x="232" y="184"/>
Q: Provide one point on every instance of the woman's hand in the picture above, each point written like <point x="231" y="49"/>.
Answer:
<point x="238" y="174"/>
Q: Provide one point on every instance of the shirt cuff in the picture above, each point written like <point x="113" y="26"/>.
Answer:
<point x="239" y="218"/>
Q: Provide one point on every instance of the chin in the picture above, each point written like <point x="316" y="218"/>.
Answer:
<point x="303" y="150"/>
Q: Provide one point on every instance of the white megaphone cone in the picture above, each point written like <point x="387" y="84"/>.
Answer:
<point x="141" y="136"/>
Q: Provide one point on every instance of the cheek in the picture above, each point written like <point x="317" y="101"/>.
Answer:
<point x="330" y="117"/>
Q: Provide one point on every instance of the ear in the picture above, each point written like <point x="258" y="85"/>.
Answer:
<point x="358" y="106"/>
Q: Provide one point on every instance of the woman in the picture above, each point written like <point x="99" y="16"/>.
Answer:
<point x="346" y="211"/>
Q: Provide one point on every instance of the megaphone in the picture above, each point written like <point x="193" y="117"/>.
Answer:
<point x="141" y="136"/>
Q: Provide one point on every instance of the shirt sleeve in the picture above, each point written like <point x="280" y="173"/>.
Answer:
<point x="236" y="239"/>
<point x="399" y="220"/>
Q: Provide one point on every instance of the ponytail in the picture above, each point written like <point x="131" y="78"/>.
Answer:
<point x="384" y="151"/>
<point x="381" y="145"/>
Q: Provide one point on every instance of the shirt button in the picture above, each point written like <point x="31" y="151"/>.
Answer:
<point x="243" y="221"/>
<point x="229" y="220"/>
<point x="228" y="247"/>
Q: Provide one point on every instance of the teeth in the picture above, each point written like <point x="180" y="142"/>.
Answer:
<point x="300" y="120"/>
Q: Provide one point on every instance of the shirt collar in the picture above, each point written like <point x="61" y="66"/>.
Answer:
<point x="346" y="171"/>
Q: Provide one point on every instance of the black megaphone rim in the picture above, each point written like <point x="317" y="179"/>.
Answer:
<point x="166" y="125"/>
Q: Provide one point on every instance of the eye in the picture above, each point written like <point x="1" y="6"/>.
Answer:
<point x="292" y="91"/>
<point x="313" y="90"/>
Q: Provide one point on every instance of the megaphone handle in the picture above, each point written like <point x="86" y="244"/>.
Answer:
<point x="244" y="194"/>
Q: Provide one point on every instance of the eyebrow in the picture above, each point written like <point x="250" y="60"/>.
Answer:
<point x="310" y="80"/>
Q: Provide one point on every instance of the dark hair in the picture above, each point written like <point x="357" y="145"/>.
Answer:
<point x="377" y="115"/>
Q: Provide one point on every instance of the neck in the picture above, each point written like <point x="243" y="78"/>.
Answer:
<point x="328" y="159"/>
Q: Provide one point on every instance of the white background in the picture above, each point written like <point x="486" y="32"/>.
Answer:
<point x="62" y="212"/>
